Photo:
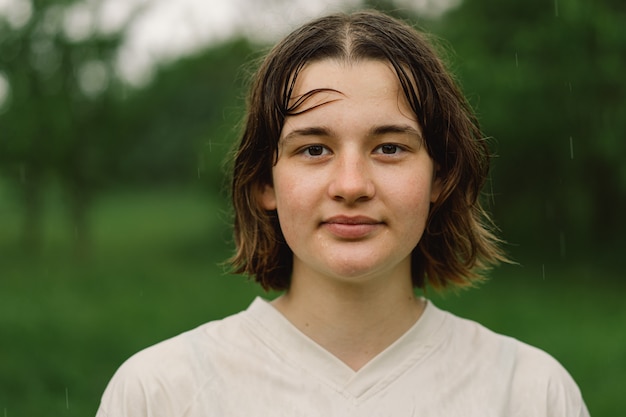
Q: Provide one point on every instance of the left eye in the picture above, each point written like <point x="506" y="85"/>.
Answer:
<point x="388" y="148"/>
<point x="315" y="150"/>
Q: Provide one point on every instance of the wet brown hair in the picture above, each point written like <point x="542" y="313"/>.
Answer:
<point x="458" y="243"/>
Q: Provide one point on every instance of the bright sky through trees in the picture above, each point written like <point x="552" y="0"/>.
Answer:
<point x="163" y="30"/>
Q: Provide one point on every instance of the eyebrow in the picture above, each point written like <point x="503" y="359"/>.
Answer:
<point x="394" y="128"/>
<point x="322" y="131"/>
<point x="308" y="131"/>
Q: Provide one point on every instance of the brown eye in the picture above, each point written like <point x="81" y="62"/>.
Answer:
<point x="315" y="150"/>
<point x="389" y="148"/>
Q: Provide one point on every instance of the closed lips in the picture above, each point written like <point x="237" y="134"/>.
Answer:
<point x="345" y="220"/>
<point x="351" y="228"/>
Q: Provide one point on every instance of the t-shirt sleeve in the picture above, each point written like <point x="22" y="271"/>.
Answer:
<point x="123" y="397"/>
<point x="545" y="388"/>
<point x="564" y="398"/>
<point x="134" y="393"/>
<point x="159" y="381"/>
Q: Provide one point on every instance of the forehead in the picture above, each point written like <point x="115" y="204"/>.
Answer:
<point x="360" y="93"/>
<point x="325" y="87"/>
<point x="369" y="78"/>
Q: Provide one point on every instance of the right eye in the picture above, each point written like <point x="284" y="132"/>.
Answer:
<point x="315" y="150"/>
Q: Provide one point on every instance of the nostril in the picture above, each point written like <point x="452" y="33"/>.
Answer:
<point x="352" y="188"/>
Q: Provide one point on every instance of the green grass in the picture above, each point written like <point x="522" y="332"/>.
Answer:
<point x="66" y="325"/>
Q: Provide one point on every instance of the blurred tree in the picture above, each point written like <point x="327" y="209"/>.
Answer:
<point x="67" y="117"/>
<point x="546" y="80"/>
<point x="181" y="126"/>
<point x="57" y="119"/>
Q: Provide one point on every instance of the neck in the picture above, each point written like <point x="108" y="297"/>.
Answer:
<point x="354" y="322"/>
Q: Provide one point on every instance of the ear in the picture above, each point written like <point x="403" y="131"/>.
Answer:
<point x="267" y="197"/>
<point x="436" y="186"/>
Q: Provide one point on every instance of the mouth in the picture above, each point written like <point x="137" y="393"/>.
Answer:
<point x="351" y="227"/>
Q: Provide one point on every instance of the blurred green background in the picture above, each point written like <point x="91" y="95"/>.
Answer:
<point x="114" y="216"/>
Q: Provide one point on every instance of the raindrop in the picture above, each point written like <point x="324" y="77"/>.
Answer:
<point x="201" y="165"/>
<point x="67" y="399"/>
<point x="4" y="90"/>
<point x="516" y="61"/>
<point x="543" y="271"/>
<point x="571" y="147"/>
<point x="562" y="244"/>
<point x="556" y="8"/>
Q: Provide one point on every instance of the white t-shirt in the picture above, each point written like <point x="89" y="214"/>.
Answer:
<point x="256" y="363"/>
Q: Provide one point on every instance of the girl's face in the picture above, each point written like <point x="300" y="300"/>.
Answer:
<point x="353" y="182"/>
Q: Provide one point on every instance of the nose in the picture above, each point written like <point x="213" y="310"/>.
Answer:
<point x="351" y="180"/>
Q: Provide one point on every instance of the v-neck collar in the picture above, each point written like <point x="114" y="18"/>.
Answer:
<point x="304" y="353"/>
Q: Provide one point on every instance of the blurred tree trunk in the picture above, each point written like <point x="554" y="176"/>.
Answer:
<point x="32" y="202"/>
<point x="79" y="204"/>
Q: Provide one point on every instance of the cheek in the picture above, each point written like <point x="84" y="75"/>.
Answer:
<point x="411" y="191"/>
<point x="412" y="202"/>
<point x="296" y="189"/>
<point x="293" y="203"/>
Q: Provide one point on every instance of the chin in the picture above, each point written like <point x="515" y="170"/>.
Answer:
<point x="356" y="273"/>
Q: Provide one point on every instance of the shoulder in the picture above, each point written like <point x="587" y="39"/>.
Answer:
<point x="539" y="375"/>
<point x="478" y="340"/>
<point x="187" y="349"/>
<point x="531" y="379"/>
<point x="163" y="379"/>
